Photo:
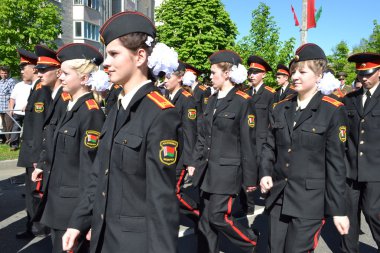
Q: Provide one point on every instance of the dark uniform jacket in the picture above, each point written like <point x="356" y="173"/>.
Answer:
<point x="185" y="105"/>
<point x="35" y="114"/>
<point x="111" y="97"/>
<point x="262" y="102"/>
<point x="201" y="94"/>
<point x="288" y="91"/>
<point x="306" y="160"/>
<point x="225" y="156"/>
<point x="363" y="137"/>
<point x="75" y="146"/>
<point x="134" y="206"/>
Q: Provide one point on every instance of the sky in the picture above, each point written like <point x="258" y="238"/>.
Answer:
<point x="341" y="20"/>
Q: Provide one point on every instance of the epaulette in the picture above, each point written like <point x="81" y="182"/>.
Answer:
<point x="160" y="100"/>
<point x="243" y="94"/>
<point x="292" y="87"/>
<point x="270" y="89"/>
<point x="186" y="93"/>
<point x="332" y="101"/>
<point x="38" y="86"/>
<point x="338" y="92"/>
<point x="202" y="87"/>
<point x="116" y="86"/>
<point x="91" y="104"/>
<point x="65" y="96"/>
<point x="287" y="98"/>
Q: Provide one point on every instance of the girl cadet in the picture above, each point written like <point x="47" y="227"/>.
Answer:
<point x="132" y="196"/>
<point x="225" y="157"/>
<point x="302" y="164"/>
<point x="176" y="85"/>
<point x="75" y="140"/>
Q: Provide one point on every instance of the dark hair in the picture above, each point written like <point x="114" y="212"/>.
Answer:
<point x="5" y="68"/>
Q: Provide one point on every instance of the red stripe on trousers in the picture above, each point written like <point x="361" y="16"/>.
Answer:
<point x="231" y="223"/>
<point x="178" y="190"/>
<point x="317" y="235"/>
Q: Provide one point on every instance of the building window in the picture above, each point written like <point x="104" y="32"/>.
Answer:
<point x="94" y="4"/>
<point x="91" y="31"/>
<point x="78" y="29"/>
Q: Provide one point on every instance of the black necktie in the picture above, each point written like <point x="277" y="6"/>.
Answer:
<point x="254" y="91"/>
<point x="297" y="115"/>
<point x="368" y="94"/>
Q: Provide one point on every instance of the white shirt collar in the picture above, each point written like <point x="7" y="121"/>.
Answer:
<point x="372" y="90"/>
<point x="303" y="104"/>
<point x="71" y="103"/>
<point x="284" y="87"/>
<point x="55" y="91"/>
<point x="172" y="95"/>
<point x="125" y="99"/>
<point x="257" y="87"/>
<point x="223" y="94"/>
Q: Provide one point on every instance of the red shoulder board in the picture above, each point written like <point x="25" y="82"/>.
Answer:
<point x="160" y="100"/>
<point x="65" y="96"/>
<point x="202" y="87"/>
<point x="186" y="93"/>
<point x="287" y="98"/>
<point x="91" y="104"/>
<point x="270" y="89"/>
<point x="243" y="94"/>
<point x="292" y="87"/>
<point x="332" y="101"/>
<point x="38" y="86"/>
<point x="116" y="86"/>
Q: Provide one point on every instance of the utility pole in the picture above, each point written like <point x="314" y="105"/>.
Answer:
<point x="304" y="23"/>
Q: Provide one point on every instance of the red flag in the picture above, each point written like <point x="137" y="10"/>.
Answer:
<point x="296" y="23"/>
<point x="311" y="14"/>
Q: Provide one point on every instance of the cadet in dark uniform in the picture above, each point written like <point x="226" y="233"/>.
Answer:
<point x="225" y="157"/>
<point x="111" y="95"/>
<point x="75" y="141"/>
<point x="285" y="89"/>
<point x="35" y="114"/>
<point x="363" y="177"/>
<point x="49" y="76"/>
<point x="302" y="164"/>
<point x="185" y="106"/>
<point x="133" y="201"/>
<point x="262" y="100"/>
<point x="201" y="92"/>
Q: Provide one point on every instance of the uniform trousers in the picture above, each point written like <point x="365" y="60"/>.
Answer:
<point x="363" y="196"/>
<point x="188" y="206"/>
<point x="216" y="217"/>
<point x="32" y="199"/>
<point x="291" y="234"/>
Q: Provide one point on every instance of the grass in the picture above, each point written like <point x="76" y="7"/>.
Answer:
<point x="6" y="154"/>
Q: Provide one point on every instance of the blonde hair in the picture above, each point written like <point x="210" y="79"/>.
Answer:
<point x="84" y="67"/>
<point x="317" y="66"/>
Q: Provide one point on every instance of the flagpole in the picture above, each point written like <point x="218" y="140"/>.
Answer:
<point x="304" y="23"/>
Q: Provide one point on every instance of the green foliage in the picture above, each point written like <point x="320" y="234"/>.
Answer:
<point x="6" y="154"/>
<point x="338" y="61"/>
<point x="195" y="29"/>
<point x="264" y="40"/>
<point x="372" y="44"/>
<point x="25" y="23"/>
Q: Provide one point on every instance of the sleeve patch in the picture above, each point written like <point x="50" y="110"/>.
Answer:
<point x="251" y="121"/>
<point x="65" y="96"/>
<point x="332" y="101"/>
<point x="205" y="101"/>
<point x="92" y="105"/>
<point x="192" y="114"/>
<point x="160" y="100"/>
<point x="91" y="140"/>
<point x="243" y="94"/>
<point x="343" y="133"/>
<point x="168" y="152"/>
<point x="39" y="107"/>
<point x="270" y="89"/>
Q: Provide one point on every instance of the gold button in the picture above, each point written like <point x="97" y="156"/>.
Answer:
<point x="286" y="179"/>
<point x="289" y="150"/>
<point x="104" y="194"/>
<point x="362" y="131"/>
<point x="287" y="165"/>
<point x="125" y="141"/>
<point x="361" y="154"/>
<point x="362" y="120"/>
<point x="106" y="172"/>
<point x="43" y="139"/>
<point x="313" y="129"/>
<point x="102" y="216"/>
<point x="361" y="142"/>
<point x="65" y="131"/>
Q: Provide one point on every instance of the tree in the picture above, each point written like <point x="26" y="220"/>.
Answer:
<point x="25" y="23"/>
<point x="372" y="44"/>
<point x="338" y="61"/>
<point x="264" y="40"/>
<point x="195" y="29"/>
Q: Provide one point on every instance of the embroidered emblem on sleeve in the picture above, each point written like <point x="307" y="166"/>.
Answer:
<point x="39" y="107"/>
<point x="343" y="133"/>
<point x="168" y="152"/>
<point x="91" y="140"/>
<point x="192" y="114"/>
<point x="251" y="121"/>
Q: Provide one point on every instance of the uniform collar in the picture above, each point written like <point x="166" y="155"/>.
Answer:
<point x="125" y="99"/>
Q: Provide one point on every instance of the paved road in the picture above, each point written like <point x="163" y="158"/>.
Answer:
<point x="12" y="220"/>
